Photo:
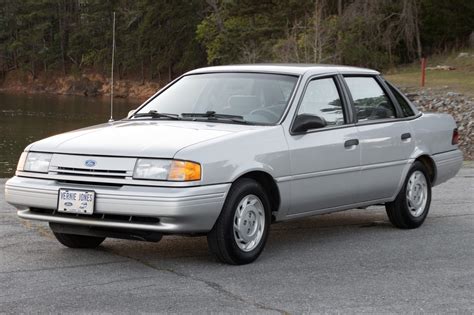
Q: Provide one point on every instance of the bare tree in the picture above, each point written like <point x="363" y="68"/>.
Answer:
<point x="409" y="26"/>
<point x="318" y="31"/>
<point x="216" y="10"/>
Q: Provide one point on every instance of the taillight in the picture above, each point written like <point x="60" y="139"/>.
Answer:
<point x="455" y="139"/>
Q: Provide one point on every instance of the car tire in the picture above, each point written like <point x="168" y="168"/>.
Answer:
<point x="410" y="208"/>
<point x="78" y="241"/>
<point x="240" y="233"/>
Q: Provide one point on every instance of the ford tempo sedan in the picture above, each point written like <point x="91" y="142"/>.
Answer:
<point x="226" y="151"/>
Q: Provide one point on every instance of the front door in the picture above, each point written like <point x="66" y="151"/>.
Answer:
<point x="325" y="161"/>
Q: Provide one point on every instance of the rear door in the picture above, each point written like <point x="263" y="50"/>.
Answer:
<point x="385" y="137"/>
<point x="324" y="161"/>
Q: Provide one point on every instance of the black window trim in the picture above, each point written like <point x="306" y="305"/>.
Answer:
<point x="391" y="86"/>
<point x="346" y="108"/>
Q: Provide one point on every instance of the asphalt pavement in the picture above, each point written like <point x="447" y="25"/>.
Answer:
<point x="346" y="262"/>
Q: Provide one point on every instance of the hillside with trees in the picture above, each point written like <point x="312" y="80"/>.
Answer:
<point x="160" y="39"/>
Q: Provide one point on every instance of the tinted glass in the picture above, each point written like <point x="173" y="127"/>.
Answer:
<point x="370" y="100"/>
<point x="260" y="98"/>
<point x="322" y="99"/>
<point x="406" y="108"/>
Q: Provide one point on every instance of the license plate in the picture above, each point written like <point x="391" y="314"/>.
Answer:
<point x="76" y="201"/>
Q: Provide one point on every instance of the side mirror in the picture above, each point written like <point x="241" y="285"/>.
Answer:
<point x="130" y="113"/>
<point x="305" y="122"/>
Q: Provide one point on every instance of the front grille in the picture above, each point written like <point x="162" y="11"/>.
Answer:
<point x="89" y="183"/>
<point x="101" y="216"/>
<point x="116" y="174"/>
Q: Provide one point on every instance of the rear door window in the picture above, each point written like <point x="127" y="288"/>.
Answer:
<point x="370" y="100"/>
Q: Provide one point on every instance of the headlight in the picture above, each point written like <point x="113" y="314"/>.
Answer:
<point x="171" y="170"/>
<point x="36" y="162"/>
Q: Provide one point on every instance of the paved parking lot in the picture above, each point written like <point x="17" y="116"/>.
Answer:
<point x="352" y="261"/>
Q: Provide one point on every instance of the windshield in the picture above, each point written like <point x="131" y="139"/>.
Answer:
<point x="255" y="97"/>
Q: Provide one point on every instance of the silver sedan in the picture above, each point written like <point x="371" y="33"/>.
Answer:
<point x="225" y="151"/>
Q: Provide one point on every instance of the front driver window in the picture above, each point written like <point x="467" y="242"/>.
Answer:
<point x="322" y="99"/>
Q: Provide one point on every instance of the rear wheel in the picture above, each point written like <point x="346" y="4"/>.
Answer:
<point x="410" y="208"/>
<point x="78" y="241"/>
<point x="240" y="233"/>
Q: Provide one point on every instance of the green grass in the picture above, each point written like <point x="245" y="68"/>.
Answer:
<point x="459" y="80"/>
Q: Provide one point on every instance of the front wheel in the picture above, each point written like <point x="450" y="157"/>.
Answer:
<point x="240" y="233"/>
<point x="410" y="208"/>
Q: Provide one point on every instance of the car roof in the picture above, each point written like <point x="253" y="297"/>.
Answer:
<point x="294" y="69"/>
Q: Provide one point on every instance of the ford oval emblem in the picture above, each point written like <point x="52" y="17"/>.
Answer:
<point x="90" y="163"/>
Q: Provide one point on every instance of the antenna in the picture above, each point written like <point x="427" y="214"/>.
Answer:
<point x="112" y="74"/>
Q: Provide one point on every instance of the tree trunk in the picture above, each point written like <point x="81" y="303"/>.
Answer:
<point x="215" y="8"/>
<point x="61" y="37"/>
<point x="143" y="71"/>
<point x="33" y="72"/>
<point x="15" y="59"/>
<point x="417" y="30"/>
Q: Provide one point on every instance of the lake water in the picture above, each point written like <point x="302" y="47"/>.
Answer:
<point x="27" y="118"/>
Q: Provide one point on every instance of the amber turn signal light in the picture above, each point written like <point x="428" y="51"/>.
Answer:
<point x="184" y="171"/>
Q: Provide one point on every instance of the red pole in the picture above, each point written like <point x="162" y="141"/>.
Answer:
<point x="423" y="71"/>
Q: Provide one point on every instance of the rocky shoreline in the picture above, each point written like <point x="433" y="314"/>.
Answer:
<point x="460" y="106"/>
<point x="91" y="84"/>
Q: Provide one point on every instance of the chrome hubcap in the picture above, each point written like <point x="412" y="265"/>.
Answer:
<point x="417" y="193"/>
<point x="249" y="223"/>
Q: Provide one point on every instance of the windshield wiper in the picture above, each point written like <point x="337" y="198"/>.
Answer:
<point x="212" y="115"/>
<point x="155" y="114"/>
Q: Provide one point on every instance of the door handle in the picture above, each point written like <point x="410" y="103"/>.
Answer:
<point x="406" y="136"/>
<point x="350" y="143"/>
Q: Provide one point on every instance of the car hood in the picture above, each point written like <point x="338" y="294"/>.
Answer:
<point x="137" y="138"/>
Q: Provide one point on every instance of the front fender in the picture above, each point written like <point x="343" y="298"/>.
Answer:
<point x="225" y="159"/>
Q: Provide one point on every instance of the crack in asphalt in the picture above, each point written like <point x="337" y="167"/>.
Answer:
<point x="221" y="289"/>
<point x="441" y="202"/>
<point x="14" y="234"/>
<point x="63" y="267"/>
<point x="10" y="245"/>
<point x="211" y="284"/>
<point x="114" y="281"/>
<point x="452" y="215"/>
<point x="27" y="294"/>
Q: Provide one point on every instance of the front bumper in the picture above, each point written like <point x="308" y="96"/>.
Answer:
<point x="179" y="210"/>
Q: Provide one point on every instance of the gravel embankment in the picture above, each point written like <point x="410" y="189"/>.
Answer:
<point x="460" y="106"/>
